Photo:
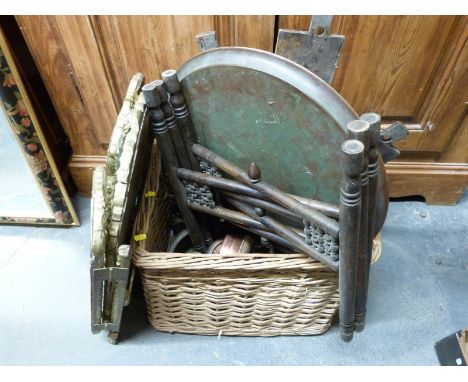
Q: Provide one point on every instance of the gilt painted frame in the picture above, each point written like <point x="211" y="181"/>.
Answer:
<point x="23" y="121"/>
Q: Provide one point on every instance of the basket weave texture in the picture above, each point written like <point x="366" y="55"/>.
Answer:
<point x="243" y="294"/>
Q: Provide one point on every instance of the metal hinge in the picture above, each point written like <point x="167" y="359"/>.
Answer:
<point x="396" y="132"/>
<point x="207" y="40"/>
<point x="316" y="49"/>
<point x="109" y="326"/>
<point x="110" y="274"/>
<point x="109" y="293"/>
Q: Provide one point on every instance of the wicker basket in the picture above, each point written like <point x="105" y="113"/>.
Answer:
<point x="248" y="295"/>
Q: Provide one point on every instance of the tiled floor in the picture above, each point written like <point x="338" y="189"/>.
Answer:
<point x="418" y="295"/>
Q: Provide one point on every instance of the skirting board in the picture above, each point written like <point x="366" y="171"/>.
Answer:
<point x="81" y="169"/>
<point x="438" y="183"/>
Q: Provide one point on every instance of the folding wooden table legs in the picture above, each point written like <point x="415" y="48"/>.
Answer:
<point x="350" y="211"/>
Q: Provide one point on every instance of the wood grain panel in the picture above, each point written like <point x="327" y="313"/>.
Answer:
<point x="404" y="68"/>
<point x="387" y="61"/>
<point x="107" y="43"/>
<point x="152" y="44"/>
<point x="302" y="23"/>
<point x="449" y="100"/>
<point x="51" y="57"/>
<point x="298" y="22"/>
<point x="78" y="37"/>
<point x="225" y="29"/>
<point x="250" y="31"/>
<point x="255" y="32"/>
<point x="457" y="151"/>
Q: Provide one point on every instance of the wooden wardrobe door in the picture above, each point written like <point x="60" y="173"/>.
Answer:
<point x="408" y="68"/>
<point x="401" y="67"/>
<point x="412" y="69"/>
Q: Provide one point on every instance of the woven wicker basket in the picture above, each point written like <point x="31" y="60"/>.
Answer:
<point x="248" y="295"/>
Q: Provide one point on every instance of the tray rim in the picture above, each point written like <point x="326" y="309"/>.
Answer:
<point x="312" y="86"/>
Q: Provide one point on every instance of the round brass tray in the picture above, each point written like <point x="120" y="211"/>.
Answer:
<point x="250" y="105"/>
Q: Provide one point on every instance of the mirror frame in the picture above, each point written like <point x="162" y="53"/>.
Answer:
<point x="16" y="105"/>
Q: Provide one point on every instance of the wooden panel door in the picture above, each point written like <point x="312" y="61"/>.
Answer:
<point x="412" y="69"/>
<point x="408" y="68"/>
<point x="399" y="66"/>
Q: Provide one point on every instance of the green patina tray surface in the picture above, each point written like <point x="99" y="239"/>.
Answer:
<point x="249" y="105"/>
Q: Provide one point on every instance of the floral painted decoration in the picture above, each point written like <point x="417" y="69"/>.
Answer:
<point x="22" y="124"/>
